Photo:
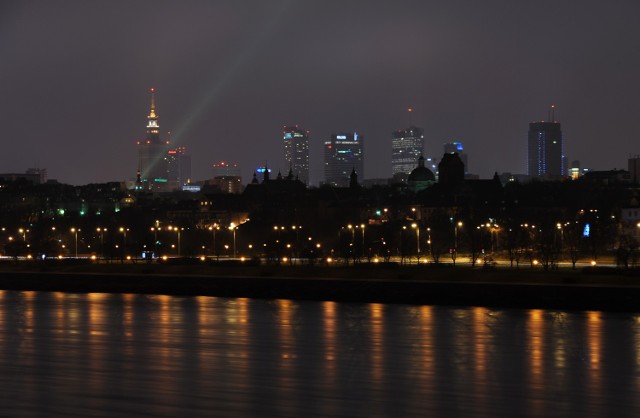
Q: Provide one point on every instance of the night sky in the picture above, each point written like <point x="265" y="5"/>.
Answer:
<point x="74" y="80"/>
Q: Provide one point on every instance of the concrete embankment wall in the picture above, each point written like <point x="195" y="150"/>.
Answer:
<point x="544" y="294"/>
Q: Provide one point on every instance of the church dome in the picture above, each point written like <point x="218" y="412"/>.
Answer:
<point x="421" y="173"/>
<point x="420" y="177"/>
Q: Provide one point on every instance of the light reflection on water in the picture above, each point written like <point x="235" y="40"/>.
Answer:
<point x="116" y="355"/>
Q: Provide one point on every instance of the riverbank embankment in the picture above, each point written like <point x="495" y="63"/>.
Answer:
<point x="562" y="289"/>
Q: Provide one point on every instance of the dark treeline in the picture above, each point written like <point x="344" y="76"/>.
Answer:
<point x="283" y="221"/>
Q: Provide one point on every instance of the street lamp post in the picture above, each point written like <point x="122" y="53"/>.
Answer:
<point x="75" y="231"/>
<point x="561" y="229"/>
<point x="297" y="229"/>
<point x="155" y="238"/>
<point x="417" y="228"/>
<point x="454" y="253"/>
<point x="455" y="235"/>
<point x="175" y="228"/>
<point x="101" y="231"/>
<point x="233" y="227"/>
<point x="213" y="229"/>
<point x="124" y="244"/>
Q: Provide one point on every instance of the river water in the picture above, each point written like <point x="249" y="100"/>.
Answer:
<point x="140" y="355"/>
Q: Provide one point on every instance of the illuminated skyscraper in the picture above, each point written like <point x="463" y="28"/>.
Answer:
<point x="178" y="167"/>
<point x="546" y="154"/>
<point x="151" y="154"/>
<point x="343" y="154"/>
<point x="296" y="152"/>
<point x="406" y="147"/>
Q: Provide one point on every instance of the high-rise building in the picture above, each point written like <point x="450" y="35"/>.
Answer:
<point x="458" y="148"/>
<point x="296" y="152"/>
<point x="343" y="154"/>
<point x="406" y="147"/>
<point x="178" y="167"/>
<point x="226" y="169"/>
<point x="546" y="153"/>
<point x="227" y="177"/>
<point x="152" y="163"/>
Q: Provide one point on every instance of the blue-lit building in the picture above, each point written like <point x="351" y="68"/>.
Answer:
<point x="296" y="152"/>
<point x="343" y="154"/>
<point x="546" y="153"/>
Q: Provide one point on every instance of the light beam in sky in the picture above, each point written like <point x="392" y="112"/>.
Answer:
<point x="217" y="86"/>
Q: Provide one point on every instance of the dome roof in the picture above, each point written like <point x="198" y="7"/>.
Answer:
<point x="421" y="173"/>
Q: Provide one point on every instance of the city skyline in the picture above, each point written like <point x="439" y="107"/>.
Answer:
<point x="230" y="76"/>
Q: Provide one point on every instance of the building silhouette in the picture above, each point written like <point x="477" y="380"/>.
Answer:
<point x="451" y="170"/>
<point x="546" y="153"/>
<point x="343" y="154"/>
<point x="406" y="147"/>
<point x="296" y="152"/>
<point x="152" y="151"/>
<point x="458" y="148"/>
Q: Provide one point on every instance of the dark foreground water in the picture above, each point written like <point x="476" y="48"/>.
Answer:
<point x="122" y="355"/>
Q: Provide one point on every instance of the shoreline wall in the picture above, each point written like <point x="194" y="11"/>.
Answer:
<point x="561" y="296"/>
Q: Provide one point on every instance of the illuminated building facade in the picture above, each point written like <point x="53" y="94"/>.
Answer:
<point x="152" y="163"/>
<point x="406" y="147"/>
<point x="296" y="152"/>
<point x="343" y="154"/>
<point x="546" y="153"/>
<point x="227" y="177"/>
<point x="178" y="168"/>
<point x="458" y="148"/>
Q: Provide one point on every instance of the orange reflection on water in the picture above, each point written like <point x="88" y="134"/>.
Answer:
<point x="535" y="337"/>
<point x="536" y="343"/>
<point x="560" y="350"/>
<point x="97" y="314"/>
<point x="427" y="340"/>
<point x="167" y="314"/>
<point x="377" y="340"/>
<point x="29" y="297"/>
<point x="479" y="330"/>
<point x="127" y="314"/>
<point x="285" y="313"/>
<point x="594" y="343"/>
<point x="637" y="336"/>
<point x="209" y="324"/>
<point x="594" y="338"/>
<point x="60" y="312"/>
<point x="243" y="310"/>
<point x="287" y="345"/>
<point x="329" y="322"/>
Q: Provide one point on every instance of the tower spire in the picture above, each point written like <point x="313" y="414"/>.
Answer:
<point x="152" y="113"/>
